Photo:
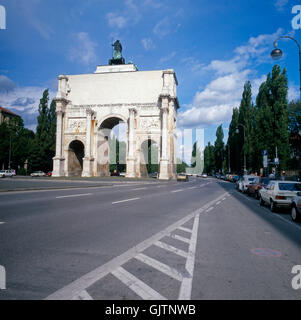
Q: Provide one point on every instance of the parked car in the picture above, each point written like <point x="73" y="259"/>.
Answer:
<point x="243" y="182"/>
<point x="256" y="185"/>
<point x="296" y="208"/>
<point x="115" y="173"/>
<point x="234" y="178"/>
<point x="38" y="174"/>
<point x="204" y="175"/>
<point x="153" y="175"/>
<point x="122" y="174"/>
<point x="48" y="174"/>
<point x="279" y="194"/>
<point x="7" y="173"/>
<point x="182" y="177"/>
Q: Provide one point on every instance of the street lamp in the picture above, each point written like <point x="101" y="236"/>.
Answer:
<point x="245" y="159"/>
<point x="276" y="54"/>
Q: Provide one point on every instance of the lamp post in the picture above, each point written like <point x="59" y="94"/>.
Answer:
<point x="245" y="159"/>
<point x="277" y="53"/>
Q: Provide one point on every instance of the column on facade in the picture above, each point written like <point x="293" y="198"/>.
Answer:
<point x="88" y="134"/>
<point x="131" y="153"/>
<point x="58" y="160"/>
<point x="164" y="163"/>
<point x="59" y="122"/>
<point x="87" y="168"/>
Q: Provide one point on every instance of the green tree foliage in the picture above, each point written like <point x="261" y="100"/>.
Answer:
<point x="16" y="140"/>
<point x="294" y="125"/>
<point x="266" y="124"/>
<point x="43" y="149"/>
<point x="181" y="166"/>
<point x="209" y="163"/>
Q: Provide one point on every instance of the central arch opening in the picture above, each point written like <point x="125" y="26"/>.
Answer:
<point x="112" y="147"/>
<point x="76" y="153"/>
<point x="149" y="158"/>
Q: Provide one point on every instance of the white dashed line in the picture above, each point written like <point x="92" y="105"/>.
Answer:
<point x="171" y="272"/>
<point x="2" y="222"/>
<point x="176" y="236"/>
<point x="208" y="210"/>
<point x="186" y="285"/>
<point x="175" y="191"/>
<point x="139" y="287"/>
<point x="137" y="189"/>
<point x="219" y="202"/>
<point x="74" y="195"/>
<point x="185" y="229"/>
<point x="172" y="249"/>
<point x="127" y="200"/>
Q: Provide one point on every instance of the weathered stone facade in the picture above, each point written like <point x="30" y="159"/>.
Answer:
<point x="88" y="104"/>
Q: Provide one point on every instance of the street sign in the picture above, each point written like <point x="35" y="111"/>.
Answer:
<point x="276" y="160"/>
<point x="265" y="158"/>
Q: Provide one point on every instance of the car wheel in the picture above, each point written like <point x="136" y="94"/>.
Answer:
<point x="261" y="202"/>
<point x="295" y="215"/>
<point x="256" y="195"/>
<point x="272" y="206"/>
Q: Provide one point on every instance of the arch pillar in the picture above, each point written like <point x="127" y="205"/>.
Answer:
<point x="131" y="162"/>
<point x="88" y="160"/>
<point x="58" y="160"/>
<point x="164" y="161"/>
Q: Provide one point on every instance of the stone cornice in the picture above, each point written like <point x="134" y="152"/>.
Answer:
<point x="126" y="105"/>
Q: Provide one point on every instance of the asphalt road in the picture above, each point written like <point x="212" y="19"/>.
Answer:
<point x="146" y="240"/>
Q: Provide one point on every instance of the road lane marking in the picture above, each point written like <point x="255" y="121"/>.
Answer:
<point x="191" y="188"/>
<point x="2" y="222"/>
<point x="84" y="295"/>
<point x="219" y="202"/>
<point x="137" y="189"/>
<point x="185" y="229"/>
<point x="186" y="285"/>
<point x="176" y="236"/>
<point x="127" y="200"/>
<point x="208" y="210"/>
<point x="76" y="287"/>
<point x="75" y="195"/>
<point x="171" y="272"/>
<point x="139" y="287"/>
<point x="172" y="249"/>
<point x="175" y="191"/>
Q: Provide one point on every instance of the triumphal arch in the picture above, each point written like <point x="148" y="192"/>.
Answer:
<point x="89" y="105"/>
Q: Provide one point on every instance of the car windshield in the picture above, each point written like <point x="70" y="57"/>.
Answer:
<point x="290" y="186"/>
<point x="264" y="181"/>
<point x="252" y="179"/>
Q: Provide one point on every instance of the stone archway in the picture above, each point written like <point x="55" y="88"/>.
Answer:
<point x="149" y="157"/>
<point x="76" y="153"/>
<point x="111" y="152"/>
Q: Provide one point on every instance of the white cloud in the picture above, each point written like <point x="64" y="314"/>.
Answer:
<point x="163" y="28"/>
<point x="214" y="104"/>
<point x="85" y="49"/>
<point x="147" y="44"/>
<point x="116" y="21"/>
<point x="168" y="57"/>
<point x="22" y="100"/>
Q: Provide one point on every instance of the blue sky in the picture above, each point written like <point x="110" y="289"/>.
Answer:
<point x="214" y="47"/>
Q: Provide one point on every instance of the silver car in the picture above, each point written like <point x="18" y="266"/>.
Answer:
<point x="296" y="208"/>
<point x="279" y="194"/>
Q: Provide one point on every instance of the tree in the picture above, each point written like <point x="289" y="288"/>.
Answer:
<point x="196" y="159"/>
<point x="209" y="162"/>
<point x="272" y="117"/>
<point x="15" y="143"/>
<point x="219" y="149"/>
<point x="294" y="126"/>
<point x="43" y="149"/>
